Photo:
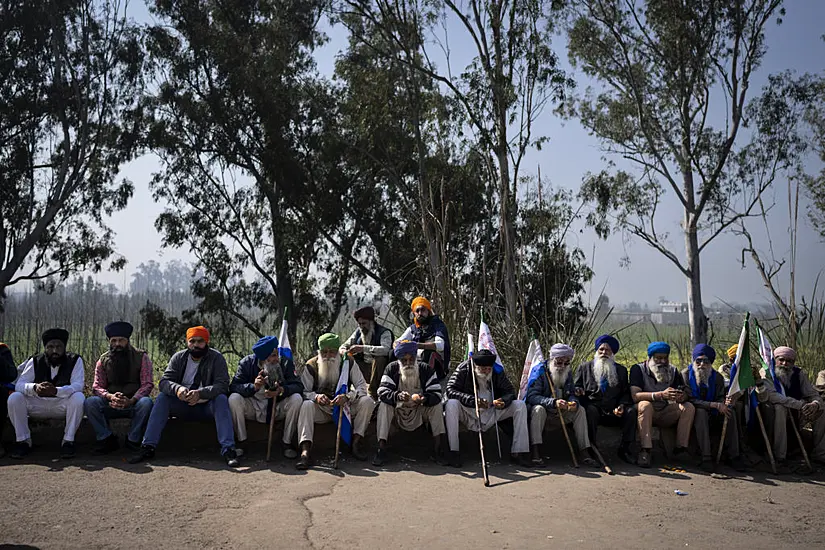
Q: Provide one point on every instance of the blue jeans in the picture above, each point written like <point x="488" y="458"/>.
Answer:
<point x="99" y="411"/>
<point x="217" y="408"/>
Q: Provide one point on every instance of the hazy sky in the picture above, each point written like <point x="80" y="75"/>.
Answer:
<point x="796" y="45"/>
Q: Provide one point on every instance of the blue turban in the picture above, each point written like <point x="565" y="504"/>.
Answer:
<point x="264" y="347"/>
<point x="706" y="350"/>
<point x="120" y="329"/>
<point x="609" y="340"/>
<point x="658" y="347"/>
<point x="406" y="347"/>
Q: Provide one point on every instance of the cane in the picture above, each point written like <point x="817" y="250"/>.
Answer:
<point x="495" y="418"/>
<point x="338" y="436"/>
<point x="561" y="418"/>
<point x="768" y="446"/>
<point x="799" y="440"/>
<point x="271" y="429"/>
<point x="722" y="440"/>
<point x="478" y="418"/>
<point x="599" y="456"/>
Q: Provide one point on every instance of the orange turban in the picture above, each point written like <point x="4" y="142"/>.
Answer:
<point x="421" y="301"/>
<point x="732" y="351"/>
<point x="198" y="331"/>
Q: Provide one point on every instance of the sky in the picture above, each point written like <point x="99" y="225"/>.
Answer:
<point x="571" y="152"/>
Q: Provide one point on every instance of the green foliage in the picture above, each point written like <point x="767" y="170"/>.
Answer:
<point x="70" y="81"/>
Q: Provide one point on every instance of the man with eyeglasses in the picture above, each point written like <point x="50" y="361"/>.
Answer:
<point x="706" y="391"/>
<point x="544" y="406"/>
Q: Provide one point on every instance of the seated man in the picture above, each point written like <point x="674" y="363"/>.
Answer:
<point x="193" y="386"/>
<point x="791" y="392"/>
<point x="706" y="390"/>
<point x="461" y="405"/>
<point x="370" y="346"/>
<point x="8" y="374"/>
<point x="262" y="382"/>
<point x="604" y="392"/>
<point x="320" y="379"/>
<point x="820" y="383"/>
<point x="50" y="386"/>
<point x="543" y="405"/>
<point x="430" y="332"/>
<point x="411" y="394"/>
<point x="656" y="388"/>
<point x="123" y="382"/>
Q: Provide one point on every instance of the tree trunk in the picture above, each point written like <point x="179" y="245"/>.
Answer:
<point x="508" y="238"/>
<point x="696" y="312"/>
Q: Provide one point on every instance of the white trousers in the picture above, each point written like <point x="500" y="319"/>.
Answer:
<point x="458" y="413"/>
<point x="539" y="418"/>
<point x="249" y="408"/>
<point x="313" y="413"/>
<point x="408" y="419"/>
<point x="21" y="407"/>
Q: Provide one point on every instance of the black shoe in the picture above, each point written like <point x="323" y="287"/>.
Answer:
<point x="304" y="462"/>
<point x="146" y="452"/>
<point x="626" y="455"/>
<point x="21" y="449"/>
<point x="454" y="459"/>
<point x="106" y="446"/>
<point x="358" y="450"/>
<point x="231" y="458"/>
<point x="679" y="451"/>
<point x="67" y="449"/>
<point x="737" y="464"/>
<point x="380" y="457"/>
<point x="133" y="446"/>
<point x="707" y="465"/>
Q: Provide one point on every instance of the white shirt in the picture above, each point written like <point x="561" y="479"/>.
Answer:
<point x="439" y="342"/>
<point x="25" y="382"/>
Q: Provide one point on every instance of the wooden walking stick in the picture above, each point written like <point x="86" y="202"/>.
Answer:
<point x="561" y="418"/>
<point x="478" y="419"/>
<point x="271" y="429"/>
<point x="599" y="456"/>
<point x="799" y="440"/>
<point x="765" y="437"/>
<point x="722" y="439"/>
<point x="338" y="436"/>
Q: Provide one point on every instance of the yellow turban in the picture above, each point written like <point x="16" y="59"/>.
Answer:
<point x="732" y="351"/>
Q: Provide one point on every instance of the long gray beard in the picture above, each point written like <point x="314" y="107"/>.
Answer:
<point x="702" y="375"/>
<point x="366" y="337"/>
<point x="329" y="370"/>
<point x="409" y="381"/>
<point x="784" y="375"/>
<point x="559" y="377"/>
<point x="483" y="381"/>
<point x="605" y="367"/>
<point x="274" y="373"/>
<point x="663" y="374"/>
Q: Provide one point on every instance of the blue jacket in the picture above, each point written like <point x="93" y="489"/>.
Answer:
<point x="539" y="392"/>
<point x="244" y="380"/>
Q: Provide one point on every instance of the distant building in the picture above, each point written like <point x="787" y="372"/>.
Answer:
<point x="673" y="307"/>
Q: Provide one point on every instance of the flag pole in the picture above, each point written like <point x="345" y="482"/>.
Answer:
<point x="495" y="410"/>
<point x="478" y="418"/>
<point x="338" y="432"/>
<point x="561" y="418"/>
<point x="799" y="440"/>
<point x="765" y="437"/>
<point x="722" y="439"/>
<point x="272" y="419"/>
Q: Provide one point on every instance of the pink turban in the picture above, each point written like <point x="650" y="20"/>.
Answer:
<point x="561" y="350"/>
<point x="786" y="352"/>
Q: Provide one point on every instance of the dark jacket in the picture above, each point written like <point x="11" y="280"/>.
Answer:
<point x="388" y="390"/>
<point x="539" y="392"/>
<point x="460" y="386"/>
<point x="243" y="382"/>
<point x="426" y="333"/>
<point x="211" y="380"/>
<point x="8" y="370"/>
<point x="703" y="400"/>
<point x="612" y="397"/>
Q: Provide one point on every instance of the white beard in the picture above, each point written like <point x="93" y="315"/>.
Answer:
<point x="483" y="381"/>
<point x="663" y="374"/>
<point x="366" y="337"/>
<point x="559" y="377"/>
<point x="409" y="381"/>
<point x="784" y="375"/>
<point x="702" y="375"/>
<point x="329" y="371"/>
<point x="605" y="367"/>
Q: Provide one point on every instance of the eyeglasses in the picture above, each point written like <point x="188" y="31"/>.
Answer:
<point x="703" y="361"/>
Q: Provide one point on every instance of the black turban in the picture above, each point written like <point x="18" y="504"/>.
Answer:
<point x="55" y="334"/>
<point x="121" y="329"/>
<point x="484" y="358"/>
<point x="367" y="312"/>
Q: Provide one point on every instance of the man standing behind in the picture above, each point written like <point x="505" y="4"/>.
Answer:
<point x="50" y="386"/>
<point x="656" y="387"/>
<point x="430" y="333"/>
<point x="604" y="391"/>
<point x="370" y="346"/>
<point x="8" y="373"/>
<point x="266" y="381"/>
<point x="123" y="382"/>
<point x="193" y="386"/>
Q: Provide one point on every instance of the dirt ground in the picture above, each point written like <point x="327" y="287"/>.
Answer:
<point x="186" y="498"/>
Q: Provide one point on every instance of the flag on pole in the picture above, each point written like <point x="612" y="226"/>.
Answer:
<point x="346" y="418"/>
<point x="485" y="341"/>
<point x="768" y="361"/>
<point x="470" y="346"/>
<point x="532" y="364"/>
<point x="284" y="349"/>
<point x="741" y="375"/>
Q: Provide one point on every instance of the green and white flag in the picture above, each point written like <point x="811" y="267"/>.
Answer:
<point x="741" y="375"/>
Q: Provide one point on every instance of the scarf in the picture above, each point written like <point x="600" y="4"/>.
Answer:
<point x="695" y="387"/>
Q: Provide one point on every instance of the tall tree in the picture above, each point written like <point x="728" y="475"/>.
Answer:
<point x="70" y="80"/>
<point x="666" y="70"/>
<point x="512" y="76"/>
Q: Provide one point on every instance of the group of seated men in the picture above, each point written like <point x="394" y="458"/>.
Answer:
<point x="406" y="389"/>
